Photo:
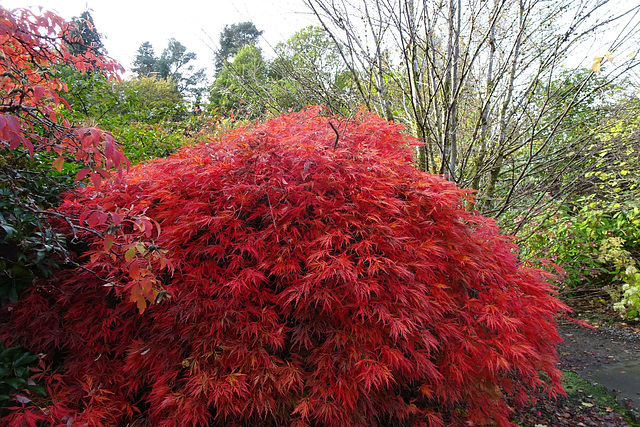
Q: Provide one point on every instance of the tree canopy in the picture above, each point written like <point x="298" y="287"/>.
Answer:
<point x="84" y="35"/>
<point x="174" y="63"/>
<point x="233" y="38"/>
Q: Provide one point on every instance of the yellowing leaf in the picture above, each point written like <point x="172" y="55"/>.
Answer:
<point x="130" y="253"/>
<point x="108" y="242"/>
<point x="57" y="163"/>
<point x="597" y="61"/>
<point x="596" y="67"/>
<point x="426" y="391"/>
<point x="141" y="304"/>
<point x="608" y="56"/>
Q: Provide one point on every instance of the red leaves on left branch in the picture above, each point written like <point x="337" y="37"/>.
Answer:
<point x="31" y="45"/>
<point x="32" y="116"/>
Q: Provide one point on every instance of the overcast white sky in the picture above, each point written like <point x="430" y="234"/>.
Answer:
<point x="126" y="24"/>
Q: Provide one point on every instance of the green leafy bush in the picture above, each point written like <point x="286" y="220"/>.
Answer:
<point x="149" y="100"/>
<point x="29" y="247"/>
<point x="15" y="377"/>
<point x="142" y="142"/>
<point x="92" y="96"/>
<point x="597" y="246"/>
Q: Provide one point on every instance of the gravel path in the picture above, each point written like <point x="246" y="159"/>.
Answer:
<point x="605" y="355"/>
<point x="608" y="355"/>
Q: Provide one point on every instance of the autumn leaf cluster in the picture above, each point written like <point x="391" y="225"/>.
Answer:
<point x="31" y="46"/>
<point x="302" y="272"/>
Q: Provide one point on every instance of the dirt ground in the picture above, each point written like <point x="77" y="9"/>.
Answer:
<point x="608" y="355"/>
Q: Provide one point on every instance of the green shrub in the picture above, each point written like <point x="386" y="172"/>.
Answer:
<point x="142" y="142"/>
<point x="597" y="246"/>
<point x="15" y="377"/>
<point x="29" y="247"/>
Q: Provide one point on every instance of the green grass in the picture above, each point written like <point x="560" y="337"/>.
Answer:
<point x="584" y="395"/>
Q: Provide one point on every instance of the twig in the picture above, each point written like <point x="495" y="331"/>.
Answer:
<point x="275" y="227"/>
<point x="335" y="144"/>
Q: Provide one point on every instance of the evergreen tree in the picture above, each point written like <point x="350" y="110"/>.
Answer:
<point x="172" y="64"/>
<point x="240" y="85"/>
<point x="84" y="36"/>
<point x="145" y="63"/>
<point x="233" y="38"/>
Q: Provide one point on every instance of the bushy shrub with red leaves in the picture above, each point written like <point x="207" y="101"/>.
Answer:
<point x="315" y="282"/>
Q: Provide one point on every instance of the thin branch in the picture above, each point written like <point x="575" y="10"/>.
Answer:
<point x="335" y="144"/>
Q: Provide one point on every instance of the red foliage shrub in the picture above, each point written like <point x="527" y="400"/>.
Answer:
<point x="314" y="283"/>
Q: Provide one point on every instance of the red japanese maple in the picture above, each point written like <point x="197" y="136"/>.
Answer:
<point x="318" y="280"/>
